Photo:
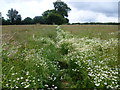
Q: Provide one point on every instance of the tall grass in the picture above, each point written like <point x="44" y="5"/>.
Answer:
<point x="60" y="61"/>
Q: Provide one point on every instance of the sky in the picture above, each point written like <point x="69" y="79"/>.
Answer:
<point x="81" y="11"/>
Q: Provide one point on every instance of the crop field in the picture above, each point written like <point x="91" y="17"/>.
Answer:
<point x="55" y="57"/>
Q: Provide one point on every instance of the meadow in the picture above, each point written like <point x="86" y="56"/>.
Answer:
<point x="55" y="57"/>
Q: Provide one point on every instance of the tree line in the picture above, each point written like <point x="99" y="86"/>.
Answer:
<point x="58" y="16"/>
<point x="96" y="23"/>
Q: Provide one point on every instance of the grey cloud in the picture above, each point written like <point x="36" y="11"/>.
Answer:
<point x="110" y="9"/>
<point x="88" y="20"/>
<point x="16" y="1"/>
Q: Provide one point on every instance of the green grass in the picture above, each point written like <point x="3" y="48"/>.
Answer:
<point x="26" y="32"/>
<point x="99" y="31"/>
<point x="44" y="56"/>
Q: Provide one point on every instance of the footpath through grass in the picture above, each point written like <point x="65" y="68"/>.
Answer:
<point x="60" y="61"/>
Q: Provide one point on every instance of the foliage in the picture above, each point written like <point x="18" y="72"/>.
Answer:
<point x="46" y="14"/>
<point x="62" y="8"/>
<point x="14" y="16"/>
<point x="57" y="15"/>
<point x="38" y="19"/>
<point x="5" y="22"/>
<point x="55" y="18"/>
<point x="18" y="19"/>
<point x="27" y="20"/>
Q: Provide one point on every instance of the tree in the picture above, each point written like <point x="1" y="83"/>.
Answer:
<point x="13" y="15"/>
<point x="62" y="8"/>
<point x="55" y="18"/>
<point x="5" y="22"/>
<point x="57" y="15"/>
<point x="18" y="19"/>
<point x="28" y="20"/>
<point x="39" y="19"/>
<point x="46" y="14"/>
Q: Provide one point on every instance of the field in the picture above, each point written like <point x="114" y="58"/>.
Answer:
<point x="54" y="57"/>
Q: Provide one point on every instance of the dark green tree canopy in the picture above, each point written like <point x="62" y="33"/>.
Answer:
<point x="46" y="13"/>
<point x="18" y="19"/>
<point x="5" y="22"/>
<point x="62" y="8"/>
<point x="57" y="15"/>
<point x="13" y="15"/>
<point x="27" y="20"/>
<point x="38" y="19"/>
<point x="55" y="18"/>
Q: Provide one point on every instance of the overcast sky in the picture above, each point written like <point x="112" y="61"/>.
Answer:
<point x="82" y="11"/>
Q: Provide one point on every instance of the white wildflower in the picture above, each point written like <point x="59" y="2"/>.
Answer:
<point x="97" y="84"/>
<point x="55" y="87"/>
<point x="18" y="78"/>
<point x="27" y="80"/>
<point x="46" y="85"/>
<point x="27" y="73"/>
<point x="27" y="86"/>
<point x="21" y="78"/>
